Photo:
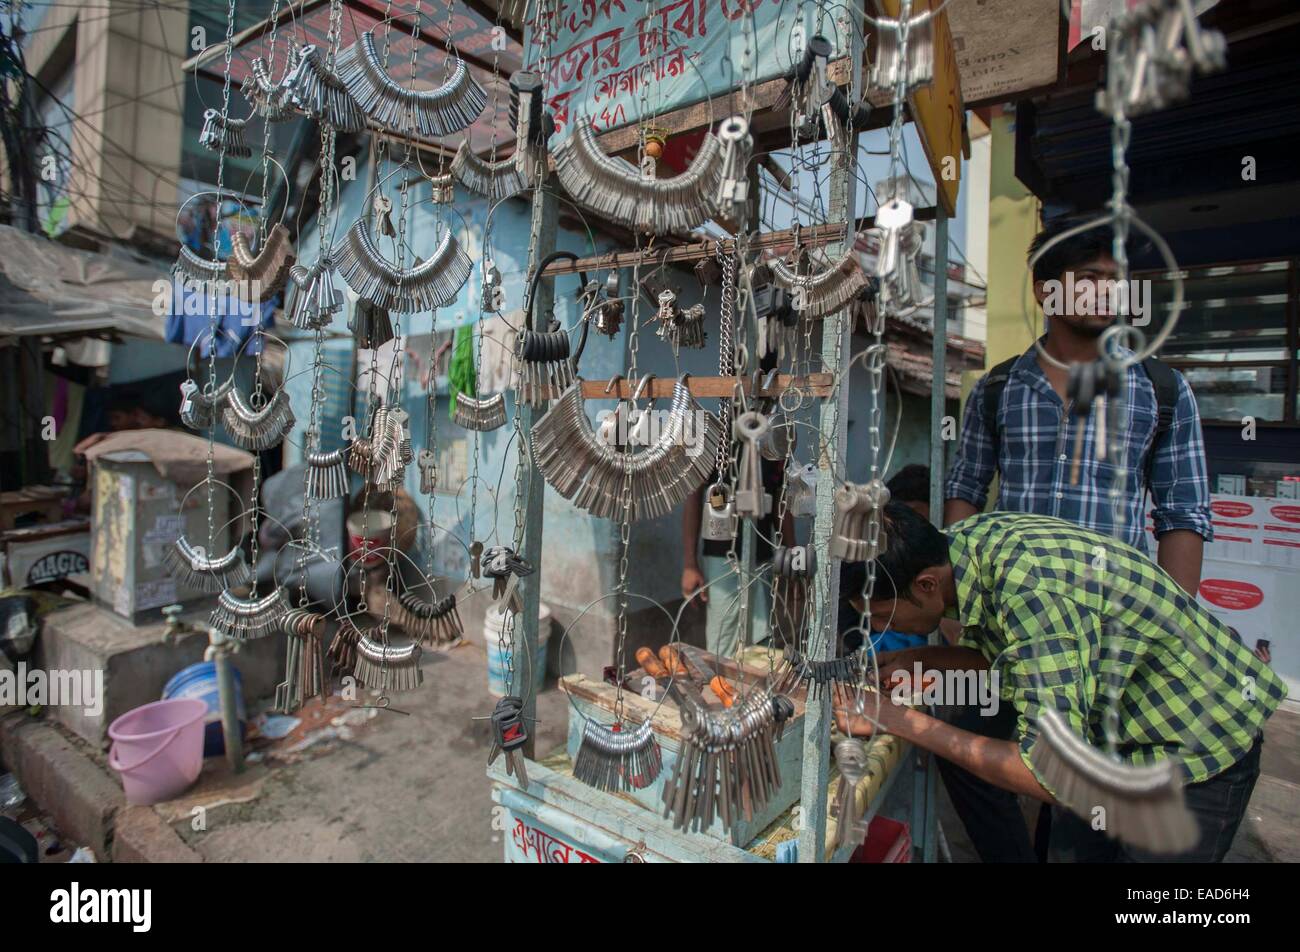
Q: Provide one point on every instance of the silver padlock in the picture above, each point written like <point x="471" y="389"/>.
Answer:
<point x="719" y="524"/>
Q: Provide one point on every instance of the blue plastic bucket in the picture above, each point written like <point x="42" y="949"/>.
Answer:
<point x="498" y="660"/>
<point x="199" y="682"/>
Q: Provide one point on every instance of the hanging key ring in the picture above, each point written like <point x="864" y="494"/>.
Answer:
<point x="285" y="176"/>
<point x="209" y="388"/>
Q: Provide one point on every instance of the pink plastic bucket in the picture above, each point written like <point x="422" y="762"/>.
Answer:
<point x="158" y="748"/>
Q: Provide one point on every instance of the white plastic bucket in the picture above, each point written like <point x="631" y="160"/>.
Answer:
<point x="498" y="660"/>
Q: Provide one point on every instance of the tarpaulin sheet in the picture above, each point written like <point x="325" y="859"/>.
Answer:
<point x="49" y="289"/>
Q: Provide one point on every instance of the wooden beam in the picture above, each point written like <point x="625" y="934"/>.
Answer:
<point x="816" y="385"/>
<point x="809" y="235"/>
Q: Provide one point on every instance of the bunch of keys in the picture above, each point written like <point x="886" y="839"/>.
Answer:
<point x="508" y="735"/>
<point x="609" y="312"/>
<point x="782" y="710"/>
<point x="1160" y="44"/>
<point x="778" y="322"/>
<point x="1088" y="389"/>
<point x="499" y="563"/>
<point x="384" y="212"/>
<point x="917" y="61"/>
<point x="812" y="83"/>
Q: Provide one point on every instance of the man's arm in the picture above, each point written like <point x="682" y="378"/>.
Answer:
<point x="931" y="657"/>
<point x="967" y="488"/>
<point x="1180" y="493"/>
<point x="692" y="577"/>
<point x="1179" y="553"/>
<point x="995" y="761"/>
<point x="955" y="510"/>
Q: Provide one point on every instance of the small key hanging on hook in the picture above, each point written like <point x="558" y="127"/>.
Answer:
<point x="891" y="218"/>
<point x="1091" y="389"/>
<point x="428" y="465"/>
<point x="499" y="563"/>
<point x="509" y="734"/>
<point x="384" y="212"/>
<point x="494" y="293"/>
<point x="851" y="758"/>
<point x="752" y="501"/>
<point x="732" y="198"/>
<point x="1081" y="390"/>
<point x="851" y="527"/>
<point x="609" y="316"/>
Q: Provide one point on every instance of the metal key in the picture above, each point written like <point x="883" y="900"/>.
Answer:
<point x="891" y="218"/>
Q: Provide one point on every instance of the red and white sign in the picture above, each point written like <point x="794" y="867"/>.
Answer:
<point x="1230" y="594"/>
<point x="1286" y="513"/>
<point x="1232" y="508"/>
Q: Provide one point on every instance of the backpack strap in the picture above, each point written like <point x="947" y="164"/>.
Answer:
<point x="1165" y="381"/>
<point x="995" y="381"/>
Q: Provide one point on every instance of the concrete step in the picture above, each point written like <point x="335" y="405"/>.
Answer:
<point x="136" y="662"/>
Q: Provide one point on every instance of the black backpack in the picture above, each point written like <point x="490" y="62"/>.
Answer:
<point x="1163" y="378"/>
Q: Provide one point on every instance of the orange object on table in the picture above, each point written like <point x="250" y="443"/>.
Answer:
<point x="725" y="692"/>
<point x="673" y="661"/>
<point x="646" y="658"/>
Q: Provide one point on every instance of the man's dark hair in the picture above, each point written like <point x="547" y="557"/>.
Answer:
<point x="910" y="484"/>
<point x="913" y="545"/>
<point x="1068" y="254"/>
<point x="1077" y="249"/>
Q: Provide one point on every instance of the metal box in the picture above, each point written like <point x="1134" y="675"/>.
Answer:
<point x="136" y="515"/>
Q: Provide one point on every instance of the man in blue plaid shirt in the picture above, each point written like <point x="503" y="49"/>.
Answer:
<point x="1031" y="445"/>
<point x="1024" y="430"/>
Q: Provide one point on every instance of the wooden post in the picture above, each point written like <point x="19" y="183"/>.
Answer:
<point x="833" y="419"/>
<point x="541" y="243"/>
<point x="927" y="784"/>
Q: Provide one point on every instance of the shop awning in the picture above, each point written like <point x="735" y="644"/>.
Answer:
<point x="50" y="290"/>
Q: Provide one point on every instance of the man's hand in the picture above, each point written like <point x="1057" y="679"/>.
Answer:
<point x="855" y="724"/>
<point x="895" y="665"/>
<point x="692" y="582"/>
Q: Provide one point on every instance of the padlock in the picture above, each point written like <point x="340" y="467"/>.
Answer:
<point x="719" y="515"/>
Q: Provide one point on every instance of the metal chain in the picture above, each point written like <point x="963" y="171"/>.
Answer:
<point x="213" y="325"/>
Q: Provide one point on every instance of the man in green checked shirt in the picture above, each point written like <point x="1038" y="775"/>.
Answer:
<point x="1034" y="596"/>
